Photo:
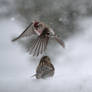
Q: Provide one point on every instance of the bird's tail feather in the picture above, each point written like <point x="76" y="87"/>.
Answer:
<point x="61" y="42"/>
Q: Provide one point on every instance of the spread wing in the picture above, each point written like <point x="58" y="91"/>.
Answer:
<point x="39" y="45"/>
<point x="27" y="32"/>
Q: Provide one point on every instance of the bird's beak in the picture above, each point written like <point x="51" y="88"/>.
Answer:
<point x="61" y="42"/>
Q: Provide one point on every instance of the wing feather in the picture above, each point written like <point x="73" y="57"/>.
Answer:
<point x="38" y="51"/>
<point x="61" y="42"/>
<point x="36" y="47"/>
<point x="39" y="46"/>
<point x="27" y="32"/>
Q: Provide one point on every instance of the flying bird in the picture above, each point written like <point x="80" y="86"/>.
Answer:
<point x="45" y="68"/>
<point x="43" y="33"/>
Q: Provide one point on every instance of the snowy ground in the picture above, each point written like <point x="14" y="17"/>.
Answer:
<point x="73" y="65"/>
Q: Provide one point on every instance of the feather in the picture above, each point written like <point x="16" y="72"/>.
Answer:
<point x="42" y="46"/>
<point x="36" y="46"/>
<point x="33" y="46"/>
<point x="39" y="48"/>
<point x="27" y="32"/>
<point x="61" y="42"/>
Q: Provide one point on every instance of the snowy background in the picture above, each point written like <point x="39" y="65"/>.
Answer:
<point x="72" y="20"/>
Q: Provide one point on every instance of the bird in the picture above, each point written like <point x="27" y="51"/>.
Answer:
<point x="43" y="33"/>
<point x="45" y="68"/>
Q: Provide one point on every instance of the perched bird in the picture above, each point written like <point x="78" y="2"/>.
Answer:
<point x="43" y="33"/>
<point x="45" y="68"/>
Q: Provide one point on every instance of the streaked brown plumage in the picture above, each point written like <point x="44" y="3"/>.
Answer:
<point x="45" y="68"/>
<point x="43" y="33"/>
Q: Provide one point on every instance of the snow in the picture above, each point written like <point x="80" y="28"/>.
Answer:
<point x="73" y="64"/>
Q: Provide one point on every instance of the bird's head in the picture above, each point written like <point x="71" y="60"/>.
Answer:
<point x="38" y="24"/>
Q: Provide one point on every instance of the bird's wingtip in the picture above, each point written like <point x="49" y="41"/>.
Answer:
<point x="61" y="42"/>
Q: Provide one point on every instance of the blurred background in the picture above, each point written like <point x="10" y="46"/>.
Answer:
<point x="72" y="21"/>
